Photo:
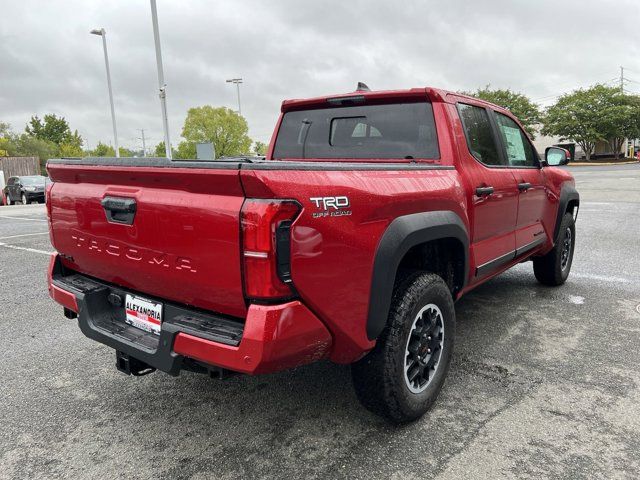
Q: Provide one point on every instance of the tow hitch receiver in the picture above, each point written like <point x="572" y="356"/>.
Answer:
<point x="132" y="366"/>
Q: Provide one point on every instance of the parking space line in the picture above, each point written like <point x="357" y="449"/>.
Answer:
<point x="604" y="278"/>
<point x="26" y="249"/>
<point x="22" y="218"/>
<point x="24" y="235"/>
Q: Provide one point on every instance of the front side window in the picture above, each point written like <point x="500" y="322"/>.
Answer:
<point x="402" y="130"/>
<point x="517" y="146"/>
<point x="480" y="138"/>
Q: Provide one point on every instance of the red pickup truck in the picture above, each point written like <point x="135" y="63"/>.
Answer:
<point x="372" y="213"/>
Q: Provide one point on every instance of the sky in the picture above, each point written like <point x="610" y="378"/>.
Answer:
<point x="49" y="63"/>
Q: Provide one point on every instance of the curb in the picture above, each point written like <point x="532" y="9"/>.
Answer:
<point x="597" y="164"/>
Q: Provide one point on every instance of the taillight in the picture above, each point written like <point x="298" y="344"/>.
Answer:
<point x="266" y="247"/>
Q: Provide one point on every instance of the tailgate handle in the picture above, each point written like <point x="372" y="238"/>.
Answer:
<point x="119" y="210"/>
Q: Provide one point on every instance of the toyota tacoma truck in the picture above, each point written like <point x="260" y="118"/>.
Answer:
<point x="370" y="215"/>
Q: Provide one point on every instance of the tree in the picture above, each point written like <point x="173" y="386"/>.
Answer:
<point x="104" y="150"/>
<point x="185" y="150"/>
<point x="599" y="113"/>
<point x="5" y="139"/>
<point x="27" y="146"/>
<point x="517" y="103"/>
<point x="54" y="129"/>
<point x="226" y="129"/>
<point x="67" y="150"/>
<point x="620" y="117"/>
<point x="125" y="152"/>
<point x="161" y="151"/>
<point x="260" y="148"/>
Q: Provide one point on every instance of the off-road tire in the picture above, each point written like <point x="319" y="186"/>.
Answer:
<point x="379" y="377"/>
<point x="553" y="269"/>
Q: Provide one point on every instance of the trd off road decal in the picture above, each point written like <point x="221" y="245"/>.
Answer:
<point x="331" y="206"/>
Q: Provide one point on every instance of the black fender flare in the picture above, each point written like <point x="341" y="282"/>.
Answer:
<point x="403" y="233"/>
<point x="567" y="194"/>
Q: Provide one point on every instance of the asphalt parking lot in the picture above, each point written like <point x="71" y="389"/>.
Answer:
<point x="544" y="383"/>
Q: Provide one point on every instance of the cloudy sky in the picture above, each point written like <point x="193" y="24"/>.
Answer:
<point x="49" y="63"/>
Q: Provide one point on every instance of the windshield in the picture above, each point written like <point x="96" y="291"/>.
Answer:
<point x="403" y="130"/>
<point x="36" y="180"/>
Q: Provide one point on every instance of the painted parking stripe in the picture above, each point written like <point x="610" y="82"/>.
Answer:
<point x="24" y="235"/>
<point x="26" y="249"/>
<point x="603" y="278"/>
<point x="9" y="217"/>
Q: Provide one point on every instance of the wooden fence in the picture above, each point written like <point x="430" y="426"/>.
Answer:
<point x="16" y="166"/>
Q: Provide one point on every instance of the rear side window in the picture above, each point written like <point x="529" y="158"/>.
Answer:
<point x="480" y="138"/>
<point x="518" y="148"/>
<point x="403" y="130"/>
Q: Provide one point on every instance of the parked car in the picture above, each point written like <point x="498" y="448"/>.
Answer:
<point x="25" y="189"/>
<point x="372" y="213"/>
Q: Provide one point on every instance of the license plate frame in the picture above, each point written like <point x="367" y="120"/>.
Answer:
<point x="143" y="314"/>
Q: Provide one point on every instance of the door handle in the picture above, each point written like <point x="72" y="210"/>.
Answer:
<point x="119" y="210"/>
<point x="524" y="186"/>
<point x="484" y="191"/>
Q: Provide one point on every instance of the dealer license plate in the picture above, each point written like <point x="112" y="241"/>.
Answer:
<point x="143" y="314"/>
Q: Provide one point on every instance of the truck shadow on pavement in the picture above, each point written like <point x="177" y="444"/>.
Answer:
<point x="309" y="419"/>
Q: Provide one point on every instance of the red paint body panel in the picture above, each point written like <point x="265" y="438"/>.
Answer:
<point x="332" y="258"/>
<point x="184" y="244"/>
<point x="275" y="338"/>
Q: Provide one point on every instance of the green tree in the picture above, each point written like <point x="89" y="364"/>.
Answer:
<point x="69" y="150"/>
<point x="125" y="152"/>
<point x="226" y="129"/>
<point x="103" y="150"/>
<point x="27" y="146"/>
<point x="517" y="103"/>
<point x="260" y="148"/>
<point x="185" y="150"/>
<point x="160" y="150"/>
<point x="6" y="144"/>
<point x="620" y="117"/>
<point x="598" y="113"/>
<point x="54" y="129"/>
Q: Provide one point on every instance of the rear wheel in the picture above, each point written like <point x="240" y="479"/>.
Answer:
<point x="553" y="268"/>
<point x="402" y="376"/>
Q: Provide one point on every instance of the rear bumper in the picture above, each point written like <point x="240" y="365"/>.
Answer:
<point x="33" y="196"/>
<point x="271" y="338"/>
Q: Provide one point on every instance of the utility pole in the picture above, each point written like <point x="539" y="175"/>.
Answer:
<point x="237" y="81"/>
<point x="161" y="84"/>
<point x="621" y="79"/>
<point x="102" y="33"/>
<point x="144" y="145"/>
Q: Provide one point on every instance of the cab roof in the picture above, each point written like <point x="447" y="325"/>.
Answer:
<point x="383" y="96"/>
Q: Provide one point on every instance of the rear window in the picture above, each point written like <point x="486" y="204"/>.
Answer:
<point x="402" y="130"/>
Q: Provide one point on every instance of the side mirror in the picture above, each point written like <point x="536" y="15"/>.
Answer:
<point x="555" y="156"/>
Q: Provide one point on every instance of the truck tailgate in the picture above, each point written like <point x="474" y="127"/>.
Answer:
<point x="180" y="243"/>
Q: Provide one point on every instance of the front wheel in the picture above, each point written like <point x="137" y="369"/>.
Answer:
<point x="24" y="200"/>
<point x="402" y="376"/>
<point x="553" y="268"/>
<point x="8" y="197"/>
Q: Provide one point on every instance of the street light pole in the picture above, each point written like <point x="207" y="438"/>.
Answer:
<point x="102" y="33"/>
<point x="161" y="84"/>
<point x="237" y="81"/>
<point x="144" y="143"/>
